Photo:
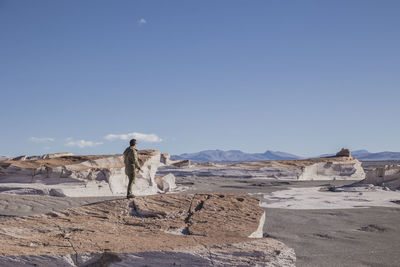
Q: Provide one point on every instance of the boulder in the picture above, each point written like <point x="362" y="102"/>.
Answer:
<point x="166" y="183"/>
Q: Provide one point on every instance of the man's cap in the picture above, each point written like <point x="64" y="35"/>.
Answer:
<point x="132" y="142"/>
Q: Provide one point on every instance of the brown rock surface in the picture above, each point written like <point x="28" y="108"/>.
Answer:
<point x="115" y="225"/>
<point x="216" y="215"/>
<point x="172" y="222"/>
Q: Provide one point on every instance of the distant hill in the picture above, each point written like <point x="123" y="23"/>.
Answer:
<point x="235" y="155"/>
<point x="387" y="155"/>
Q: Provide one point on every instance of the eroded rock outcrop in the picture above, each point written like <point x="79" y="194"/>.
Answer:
<point x="3" y="158"/>
<point x="344" y="152"/>
<point x="331" y="168"/>
<point x="158" y="230"/>
<point x="165" y="158"/>
<point x="387" y="176"/>
<point x="56" y="155"/>
<point x="66" y="175"/>
<point x="340" y="167"/>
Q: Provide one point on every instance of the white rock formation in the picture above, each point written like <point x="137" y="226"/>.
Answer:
<point x="65" y="175"/>
<point x="387" y="176"/>
<point x="259" y="232"/>
<point x="351" y="170"/>
<point x="3" y="158"/>
<point x="340" y="168"/>
<point x="239" y="170"/>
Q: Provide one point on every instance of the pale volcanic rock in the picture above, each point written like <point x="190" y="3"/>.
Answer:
<point x="215" y="230"/>
<point x="387" y="176"/>
<point x="166" y="183"/>
<point x="3" y="158"/>
<point x="45" y="156"/>
<point x="330" y="168"/>
<point x="333" y="170"/>
<point x="339" y="167"/>
<point x="65" y="175"/>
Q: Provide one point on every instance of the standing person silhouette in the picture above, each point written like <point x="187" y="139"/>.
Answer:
<point x="132" y="165"/>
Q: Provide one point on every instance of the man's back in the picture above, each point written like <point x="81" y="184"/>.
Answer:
<point x="128" y="155"/>
<point x="131" y="160"/>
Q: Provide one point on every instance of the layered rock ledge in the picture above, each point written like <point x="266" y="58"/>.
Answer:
<point x="63" y="174"/>
<point x="329" y="168"/>
<point x="157" y="230"/>
<point x="387" y="176"/>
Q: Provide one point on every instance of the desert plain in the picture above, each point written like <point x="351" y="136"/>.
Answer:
<point x="321" y="212"/>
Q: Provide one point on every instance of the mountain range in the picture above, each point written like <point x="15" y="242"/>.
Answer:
<point x="237" y="155"/>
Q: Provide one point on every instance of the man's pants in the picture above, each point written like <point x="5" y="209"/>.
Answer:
<point x="132" y="178"/>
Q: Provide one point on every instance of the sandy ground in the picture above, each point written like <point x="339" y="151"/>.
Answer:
<point x="350" y="237"/>
<point x="328" y="237"/>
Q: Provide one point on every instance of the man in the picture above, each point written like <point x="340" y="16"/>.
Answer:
<point x="131" y="165"/>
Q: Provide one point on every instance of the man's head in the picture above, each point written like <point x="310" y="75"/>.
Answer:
<point x="132" y="142"/>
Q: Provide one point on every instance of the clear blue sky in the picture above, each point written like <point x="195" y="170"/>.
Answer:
<point x="306" y="77"/>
